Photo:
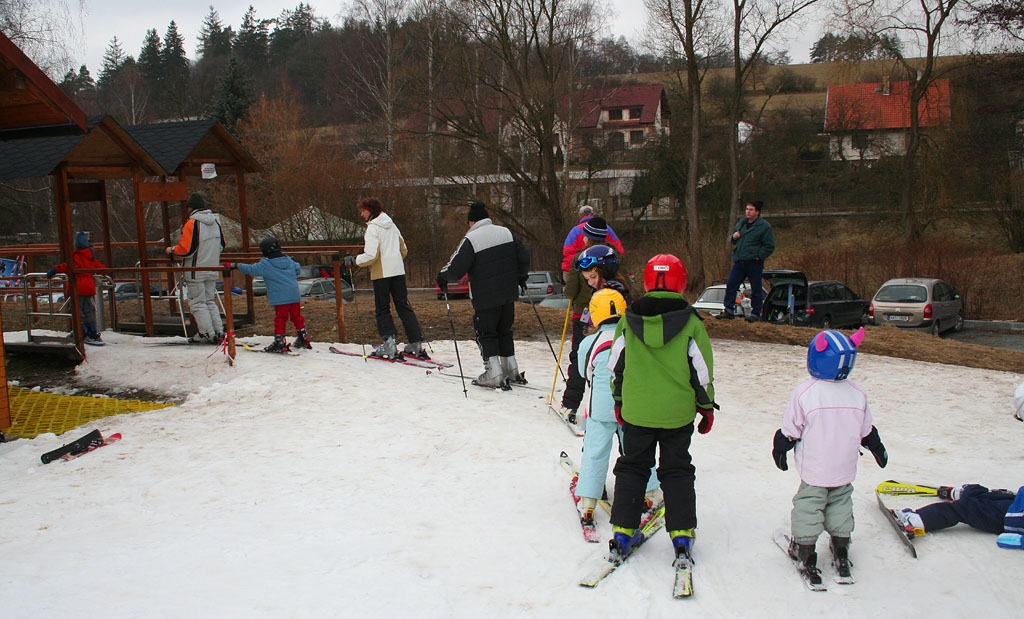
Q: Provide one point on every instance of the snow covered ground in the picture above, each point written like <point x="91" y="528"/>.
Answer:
<point x="329" y="486"/>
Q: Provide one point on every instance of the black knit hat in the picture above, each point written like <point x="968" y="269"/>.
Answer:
<point x="477" y="211"/>
<point x="196" y="202"/>
<point x="596" y="229"/>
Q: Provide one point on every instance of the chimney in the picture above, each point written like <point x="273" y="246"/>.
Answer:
<point x="885" y="86"/>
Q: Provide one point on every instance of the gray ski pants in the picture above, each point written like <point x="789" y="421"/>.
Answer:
<point x="817" y="509"/>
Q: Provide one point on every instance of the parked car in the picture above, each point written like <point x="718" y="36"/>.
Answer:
<point x="712" y="300"/>
<point x="323" y="288"/>
<point x="918" y="303"/>
<point x="455" y="289"/>
<point x="125" y="291"/>
<point x="541" y="285"/>
<point x="826" y="304"/>
<point x="312" y="271"/>
<point x="259" y="287"/>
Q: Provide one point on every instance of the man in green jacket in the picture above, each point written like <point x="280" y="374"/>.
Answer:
<point x="663" y="375"/>
<point x="753" y="241"/>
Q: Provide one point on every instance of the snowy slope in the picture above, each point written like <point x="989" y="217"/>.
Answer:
<point x="326" y="485"/>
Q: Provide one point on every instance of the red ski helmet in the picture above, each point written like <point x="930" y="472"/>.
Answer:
<point x="665" y="272"/>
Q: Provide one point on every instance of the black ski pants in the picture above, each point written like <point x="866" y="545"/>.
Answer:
<point x="575" y="384"/>
<point x="385" y="290"/>
<point x="493" y="328"/>
<point x="675" y="472"/>
<point x="977" y="506"/>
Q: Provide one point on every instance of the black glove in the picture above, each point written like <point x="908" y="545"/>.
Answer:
<point x="442" y="283"/>
<point x="522" y="286"/>
<point x="51" y="273"/>
<point x="874" y="444"/>
<point x="782" y="444"/>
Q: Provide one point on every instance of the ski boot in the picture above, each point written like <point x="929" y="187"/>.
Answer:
<point x="587" y="511"/>
<point x="911" y="522"/>
<point x="278" y="345"/>
<point x="682" y="542"/>
<point x="569" y="414"/>
<point x="493" y="377"/>
<point x="415" y="349"/>
<point x="950" y="493"/>
<point x="510" y="369"/>
<point x="387" y="350"/>
<point x="808" y="559"/>
<point x="301" y="340"/>
<point x="622" y="543"/>
<point x="841" y="560"/>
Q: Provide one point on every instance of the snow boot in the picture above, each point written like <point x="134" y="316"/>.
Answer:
<point x="804" y="553"/>
<point x="622" y="543"/>
<point x="302" y="340"/>
<point x="493" y="376"/>
<point x="415" y="349"/>
<point x="202" y="338"/>
<point x="387" y="350"/>
<point x="278" y="345"/>
<point x="510" y="369"/>
<point x="841" y="560"/>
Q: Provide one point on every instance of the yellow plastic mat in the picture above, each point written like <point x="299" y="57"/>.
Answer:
<point x="37" y="412"/>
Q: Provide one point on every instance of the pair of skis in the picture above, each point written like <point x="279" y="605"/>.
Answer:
<point x="887" y="488"/>
<point x="653" y="521"/>
<point x="429" y="364"/>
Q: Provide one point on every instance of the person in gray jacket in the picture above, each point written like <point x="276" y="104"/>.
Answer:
<point x="753" y="241"/>
<point x="498" y="265"/>
<point x="201" y="242"/>
<point x="384" y="252"/>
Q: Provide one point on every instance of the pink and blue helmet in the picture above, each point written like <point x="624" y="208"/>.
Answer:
<point x="832" y="354"/>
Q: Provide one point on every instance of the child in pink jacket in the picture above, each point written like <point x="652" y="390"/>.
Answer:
<point x="827" y="420"/>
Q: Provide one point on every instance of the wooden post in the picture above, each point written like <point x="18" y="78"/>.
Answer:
<point x="339" y="301"/>
<point x="229" y="317"/>
<point x="5" y="402"/>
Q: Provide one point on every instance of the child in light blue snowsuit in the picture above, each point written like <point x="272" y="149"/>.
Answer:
<point x="606" y="307"/>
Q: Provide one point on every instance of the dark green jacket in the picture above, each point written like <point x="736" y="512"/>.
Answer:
<point x="663" y="364"/>
<point x="757" y="241"/>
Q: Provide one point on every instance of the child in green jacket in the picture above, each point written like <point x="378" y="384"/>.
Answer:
<point x="662" y="377"/>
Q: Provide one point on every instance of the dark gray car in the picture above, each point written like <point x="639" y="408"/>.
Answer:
<point x="826" y="304"/>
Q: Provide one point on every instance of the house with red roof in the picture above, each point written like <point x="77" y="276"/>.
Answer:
<point x="870" y="121"/>
<point x="622" y="117"/>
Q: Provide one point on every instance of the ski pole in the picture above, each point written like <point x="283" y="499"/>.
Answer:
<point x="355" y="303"/>
<point x="455" y="342"/>
<point x="558" y="360"/>
<point x="545" y="332"/>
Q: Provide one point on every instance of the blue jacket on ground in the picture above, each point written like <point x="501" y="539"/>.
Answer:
<point x="280" y="274"/>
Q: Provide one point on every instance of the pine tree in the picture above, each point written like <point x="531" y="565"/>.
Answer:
<point x="234" y="95"/>
<point x="113" y="58"/>
<point x="174" y="91"/>
<point x="214" y="38"/>
<point x="253" y="41"/>
<point x="150" y="63"/>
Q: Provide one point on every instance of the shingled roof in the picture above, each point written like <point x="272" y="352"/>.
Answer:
<point x="104" y="151"/>
<point x="29" y="100"/>
<point x="872" y="106"/>
<point x="183" y="146"/>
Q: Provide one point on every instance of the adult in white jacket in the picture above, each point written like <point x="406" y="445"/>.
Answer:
<point x="384" y="251"/>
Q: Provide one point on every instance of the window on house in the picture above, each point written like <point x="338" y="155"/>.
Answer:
<point x="860" y="140"/>
<point x="636" y="138"/>
<point x="616" y="141"/>
<point x="615" y="114"/>
<point x="635" y="112"/>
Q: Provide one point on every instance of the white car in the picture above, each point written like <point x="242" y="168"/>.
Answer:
<point x="712" y="300"/>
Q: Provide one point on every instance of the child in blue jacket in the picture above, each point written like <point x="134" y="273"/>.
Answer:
<point x="606" y="306"/>
<point x="280" y="273"/>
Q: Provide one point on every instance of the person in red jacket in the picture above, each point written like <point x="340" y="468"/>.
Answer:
<point x="576" y="240"/>
<point x="85" y="284"/>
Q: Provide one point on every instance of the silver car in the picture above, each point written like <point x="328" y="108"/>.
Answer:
<point x="712" y="300"/>
<point x="917" y="303"/>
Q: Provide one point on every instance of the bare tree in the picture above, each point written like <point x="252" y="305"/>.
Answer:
<point x="755" y="24"/>
<point x="690" y="32"/>
<point x="45" y="30"/>
<point x="509" y="82"/>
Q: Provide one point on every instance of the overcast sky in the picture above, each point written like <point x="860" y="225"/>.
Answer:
<point x="105" y="19"/>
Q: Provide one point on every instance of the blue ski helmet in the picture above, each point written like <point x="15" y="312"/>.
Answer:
<point x="83" y="239"/>
<point x="831" y="354"/>
<point x="599" y="257"/>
